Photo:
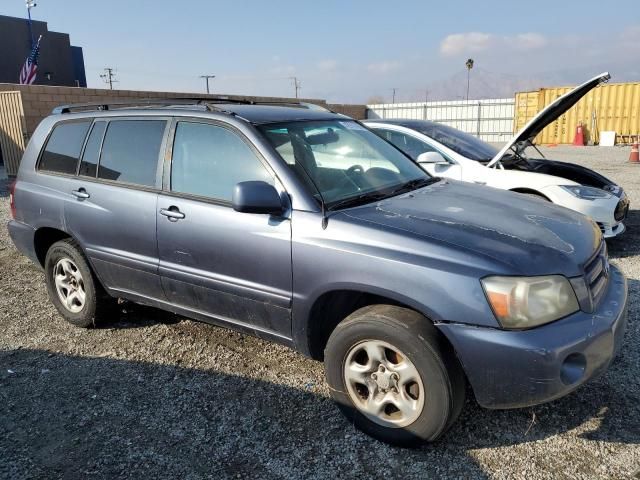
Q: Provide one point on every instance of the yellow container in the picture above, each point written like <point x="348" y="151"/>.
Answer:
<point x="613" y="106"/>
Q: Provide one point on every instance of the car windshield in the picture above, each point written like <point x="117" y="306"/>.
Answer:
<point x="342" y="163"/>
<point x="460" y="142"/>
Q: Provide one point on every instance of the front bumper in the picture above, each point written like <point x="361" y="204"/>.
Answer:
<point x="610" y="231"/>
<point x="608" y="213"/>
<point x="512" y="369"/>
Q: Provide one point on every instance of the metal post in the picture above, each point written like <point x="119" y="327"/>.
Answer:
<point x="30" y="5"/>
<point x="479" y="117"/>
<point x="206" y="78"/>
<point x="296" y="85"/>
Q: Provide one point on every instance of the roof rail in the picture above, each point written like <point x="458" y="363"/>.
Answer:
<point x="207" y="102"/>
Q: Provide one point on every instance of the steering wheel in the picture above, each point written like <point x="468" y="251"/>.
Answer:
<point x="355" y="169"/>
<point x="350" y="175"/>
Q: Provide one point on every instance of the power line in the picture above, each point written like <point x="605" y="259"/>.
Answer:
<point x="108" y="77"/>
<point x="296" y="84"/>
<point x="206" y="79"/>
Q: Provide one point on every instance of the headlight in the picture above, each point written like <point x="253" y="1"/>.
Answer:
<point x="586" y="193"/>
<point x="525" y="302"/>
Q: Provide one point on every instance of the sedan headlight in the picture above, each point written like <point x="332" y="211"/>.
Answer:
<point x="525" y="302"/>
<point x="586" y="193"/>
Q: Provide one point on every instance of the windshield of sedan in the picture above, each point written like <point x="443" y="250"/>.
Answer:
<point x="460" y="142"/>
<point x="342" y="163"/>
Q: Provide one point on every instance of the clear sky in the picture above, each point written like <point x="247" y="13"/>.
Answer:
<point x="348" y="50"/>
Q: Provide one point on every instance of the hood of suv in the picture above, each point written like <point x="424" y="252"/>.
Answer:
<point x="526" y="236"/>
<point x="549" y="114"/>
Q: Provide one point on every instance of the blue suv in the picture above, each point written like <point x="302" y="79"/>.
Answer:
<point x="302" y="226"/>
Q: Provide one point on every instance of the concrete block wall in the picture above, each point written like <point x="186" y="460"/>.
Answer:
<point x="38" y="101"/>
<point x="358" y="112"/>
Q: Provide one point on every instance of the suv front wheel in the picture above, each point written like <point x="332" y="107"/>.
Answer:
<point x="393" y="374"/>
<point x="71" y="285"/>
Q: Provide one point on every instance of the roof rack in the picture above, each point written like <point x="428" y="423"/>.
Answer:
<point x="207" y="102"/>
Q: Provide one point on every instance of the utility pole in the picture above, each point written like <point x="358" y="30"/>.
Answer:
<point x="469" y="65"/>
<point x="393" y="98"/>
<point x="108" y="77"/>
<point x="30" y="4"/>
<point x="206" y="79"/>
<point x="296" y="84"/>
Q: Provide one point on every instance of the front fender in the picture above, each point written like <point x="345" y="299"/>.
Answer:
<point x="431" y="284"/>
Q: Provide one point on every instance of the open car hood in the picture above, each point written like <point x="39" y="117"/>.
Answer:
<point x="547" y="115"/>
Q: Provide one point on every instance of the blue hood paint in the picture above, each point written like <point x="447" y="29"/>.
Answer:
<point x="526" y="236"/>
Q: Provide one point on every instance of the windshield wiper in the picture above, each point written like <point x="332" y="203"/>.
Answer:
<point x="358" y="200"/>
<point x="378" y="195"/>
<point x="414" y="184"/>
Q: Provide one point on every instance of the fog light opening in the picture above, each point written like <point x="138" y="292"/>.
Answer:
<point x="573" y="368"/>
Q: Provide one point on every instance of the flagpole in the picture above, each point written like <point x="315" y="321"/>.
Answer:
<point x="30" y="5"/>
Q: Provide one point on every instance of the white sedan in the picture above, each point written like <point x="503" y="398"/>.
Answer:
<point x="446" y="152"/>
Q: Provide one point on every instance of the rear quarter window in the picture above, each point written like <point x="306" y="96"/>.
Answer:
<point x="62" y="150"/>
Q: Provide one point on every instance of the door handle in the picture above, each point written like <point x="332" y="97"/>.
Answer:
<point x="81" y="193"/>
<point x="173" y="213"/>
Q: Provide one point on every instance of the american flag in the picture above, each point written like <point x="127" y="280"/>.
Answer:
<point x="30" y="68"/>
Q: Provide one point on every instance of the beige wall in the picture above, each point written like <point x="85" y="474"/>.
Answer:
<point x="38" y="101"/>
<point x="359" y="112"/>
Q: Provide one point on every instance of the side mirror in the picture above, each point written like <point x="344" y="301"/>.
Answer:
<point x="432" y="158"/>
<point x="256" y="197"/>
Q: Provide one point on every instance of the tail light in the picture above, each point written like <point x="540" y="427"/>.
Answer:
<point x="12" y="198"/>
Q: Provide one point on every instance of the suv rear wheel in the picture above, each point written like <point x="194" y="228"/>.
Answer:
<point x="71" y="285"/>
<point x="393" y="374"/>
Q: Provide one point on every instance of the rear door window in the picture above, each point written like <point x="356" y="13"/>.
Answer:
<point x="131" y="151"/>
<point x="63" y="148"/>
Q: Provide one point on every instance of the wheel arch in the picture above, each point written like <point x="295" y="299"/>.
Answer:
<point x="530" y="191"/>
<point x="331" y="306"/>
<point x="44" y="237"/>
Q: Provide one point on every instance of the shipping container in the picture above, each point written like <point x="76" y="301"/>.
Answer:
<point x="609" y="107"/>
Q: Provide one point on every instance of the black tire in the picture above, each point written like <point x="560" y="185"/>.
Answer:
<point x="417" y="338"/>
<point x="96" y="300"/>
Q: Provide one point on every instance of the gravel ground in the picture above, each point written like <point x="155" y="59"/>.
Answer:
<point x="152" y="395"/>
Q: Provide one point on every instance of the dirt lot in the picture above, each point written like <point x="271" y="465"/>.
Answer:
<point x="151" y="395"/>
